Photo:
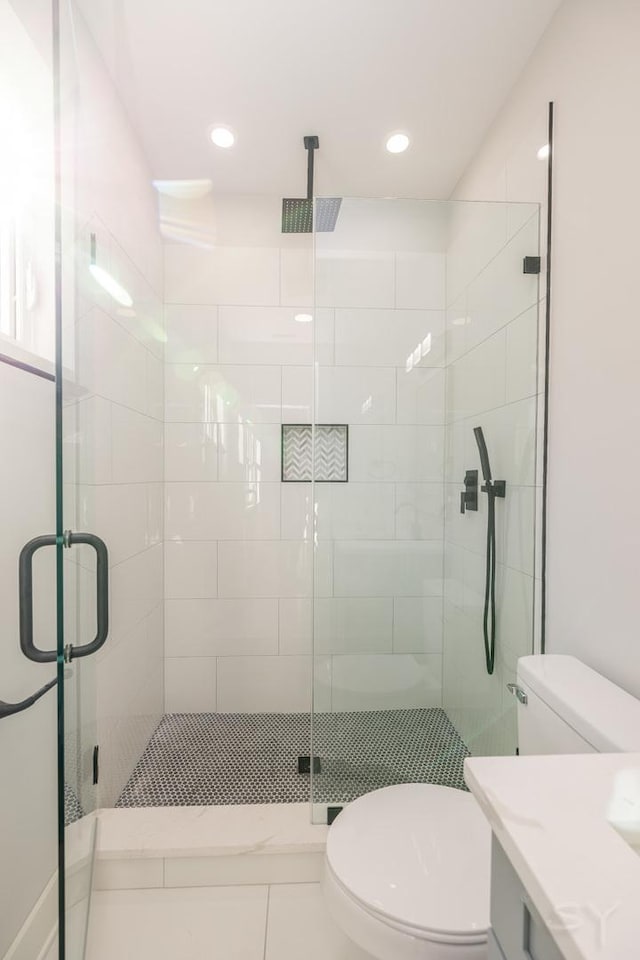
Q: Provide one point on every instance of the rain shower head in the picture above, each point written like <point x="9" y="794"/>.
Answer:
<point x="297" y="214"/>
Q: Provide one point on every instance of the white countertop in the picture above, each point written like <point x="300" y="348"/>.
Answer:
<point x="553" y="816"/>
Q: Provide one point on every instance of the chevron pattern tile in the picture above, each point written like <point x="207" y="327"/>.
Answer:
<point x="331" y="452"/>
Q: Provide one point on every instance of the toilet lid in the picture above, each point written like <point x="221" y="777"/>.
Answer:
<point x="417" y="854"/>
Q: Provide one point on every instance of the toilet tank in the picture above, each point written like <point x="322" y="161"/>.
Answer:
<point x="572" y="709"/>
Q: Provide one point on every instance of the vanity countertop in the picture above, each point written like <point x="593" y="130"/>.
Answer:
<point x="553" y="816"/>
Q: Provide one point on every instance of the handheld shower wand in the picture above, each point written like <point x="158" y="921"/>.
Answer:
<point x="493" y="489"/>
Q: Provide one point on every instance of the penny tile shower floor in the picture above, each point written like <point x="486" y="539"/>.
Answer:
<point x="226" y="758"/>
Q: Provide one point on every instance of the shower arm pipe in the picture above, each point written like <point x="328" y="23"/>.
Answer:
<point x="311" y="144"/>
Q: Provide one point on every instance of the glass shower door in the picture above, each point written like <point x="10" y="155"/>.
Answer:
<point x="426" y="328"/>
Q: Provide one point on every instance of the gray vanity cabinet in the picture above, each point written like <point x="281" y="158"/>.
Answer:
<point x="517" y="930"/>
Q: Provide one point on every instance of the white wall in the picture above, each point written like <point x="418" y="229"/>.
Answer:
<point x="238" y="550"/>
<point x="587" y="62"/>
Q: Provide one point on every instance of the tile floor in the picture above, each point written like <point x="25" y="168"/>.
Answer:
<point x="277" y="922"/>
<point x="218" y="758"/>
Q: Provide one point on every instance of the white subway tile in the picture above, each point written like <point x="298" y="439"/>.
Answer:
<point x="119" y="513"/>
<point x="354" y="279"/>
<point x="419" y="511"/>
<point x="420" y="280"/>
<point x="379" y="568"/>
<point x="477" y="232"/>
<point x="476" y="382"/>
<point x="347" y="511"/>
<point x="266" y="335"/>
<point x="136" y="589"/>
<point x="353" y="625"/>
<point x="417" y="625"/>
<point x="264" y="684"/>
<point x="295" y="625"/>
<point x="522" y="356"/>
<point x="249" y="451"/>
<point x="502" y="291"/>
<point x="110" y="362"/>
<point x="396" y="453"/>
<point x="278" y="568"/>
<point x="296" y="276"/>
<point x="190" y="451"/>
<point x="207" y="628"/>
<point x="456" y="323"/>
<point x="386" y="681"/>
<point x="222" y="275"/>
<point x="389" y="338"/>
<point x="420" y="396"/>
<point x="136" y="444"/>
<point x="155" y="387"/>
<point x="190" y="569"/>
<point x="222" y="511"/>
<point x="87" y="440"/>
<point x="190" y="684"/>
<point x="343" y="395"/>
<point x="222" y="394"/>
<point x="192" y="333"/>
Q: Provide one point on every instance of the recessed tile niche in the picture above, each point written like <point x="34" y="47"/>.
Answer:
<point x="331" y="453"/>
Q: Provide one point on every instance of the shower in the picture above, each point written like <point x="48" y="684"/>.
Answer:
<point x="493" y="489"/>
<point x="297" y="213"/>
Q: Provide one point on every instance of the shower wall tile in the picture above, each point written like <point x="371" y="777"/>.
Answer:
<point x="190" y="569"/>
<point x="410" y="453"/>
<point x="522" y="355"/>
<point x="353" y="625"/>
<point x="136" y="446"/>
<point x="277" y="568"/>
<point x="382" y="568"/>
<point x="239" y="543"/>
<point x="420" y="281"/>
<point x="264" y="684"/>
<point x="379" y="338"/>
<point x="374" y="682"/>
<point x="296" y="276"/>
<point x="419" y="511"/>
<point x="191" y="451"/>
<point x="352" y="279"/>
<point x="222" y="394"/>
<point x="192" y="333"/>
<point x="222" y="275"/>
<point x="417" y="625"/>
<point x="350" y="511"/>
<point x="249" y="451"/>
<point x="222" y="511"/>
<point x="198" y="628"/>
<point x="420" y="396"/>
<point x="190" y="685"/>
<point x="295" y="621"/>
<point x="272" y="334"/>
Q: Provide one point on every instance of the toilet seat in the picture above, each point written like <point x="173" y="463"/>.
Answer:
<point x="407" y="873"/>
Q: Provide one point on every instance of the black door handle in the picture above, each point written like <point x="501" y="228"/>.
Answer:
<point x="25" y="580"/>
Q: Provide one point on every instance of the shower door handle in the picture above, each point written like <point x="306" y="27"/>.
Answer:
<point x="26" y="596"/>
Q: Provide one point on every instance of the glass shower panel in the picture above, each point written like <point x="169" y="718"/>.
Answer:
<point x="425" y="328"/>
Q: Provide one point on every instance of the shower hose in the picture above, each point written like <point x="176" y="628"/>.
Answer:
<point x="489" y="621"/>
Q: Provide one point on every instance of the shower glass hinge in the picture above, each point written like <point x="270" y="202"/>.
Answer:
<point x="531" y="265"/>
<point x="518" y="693"/>
<point x="332" y="813"/>
<point x="96" y="763"/>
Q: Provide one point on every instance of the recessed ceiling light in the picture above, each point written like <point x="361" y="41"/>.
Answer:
<point x="222" y="137"/>
<point x="397" y="143"/>
<point x="543" y="152"/>
<point x="303" y="317"/>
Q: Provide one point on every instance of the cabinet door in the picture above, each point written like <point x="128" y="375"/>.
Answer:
<point x="517" y="926"/>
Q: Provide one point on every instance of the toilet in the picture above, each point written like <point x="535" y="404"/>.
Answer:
<point x="407" y="867"/>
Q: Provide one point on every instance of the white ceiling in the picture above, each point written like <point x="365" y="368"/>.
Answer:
<point x="351" y="71"/>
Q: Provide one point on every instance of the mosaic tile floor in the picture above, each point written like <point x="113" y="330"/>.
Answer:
<point x="218" y="758"/>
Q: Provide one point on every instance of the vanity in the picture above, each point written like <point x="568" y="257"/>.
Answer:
<point x="565" y="862"/>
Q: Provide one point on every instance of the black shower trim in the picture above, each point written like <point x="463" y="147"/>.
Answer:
<point x="545" y="435"/>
